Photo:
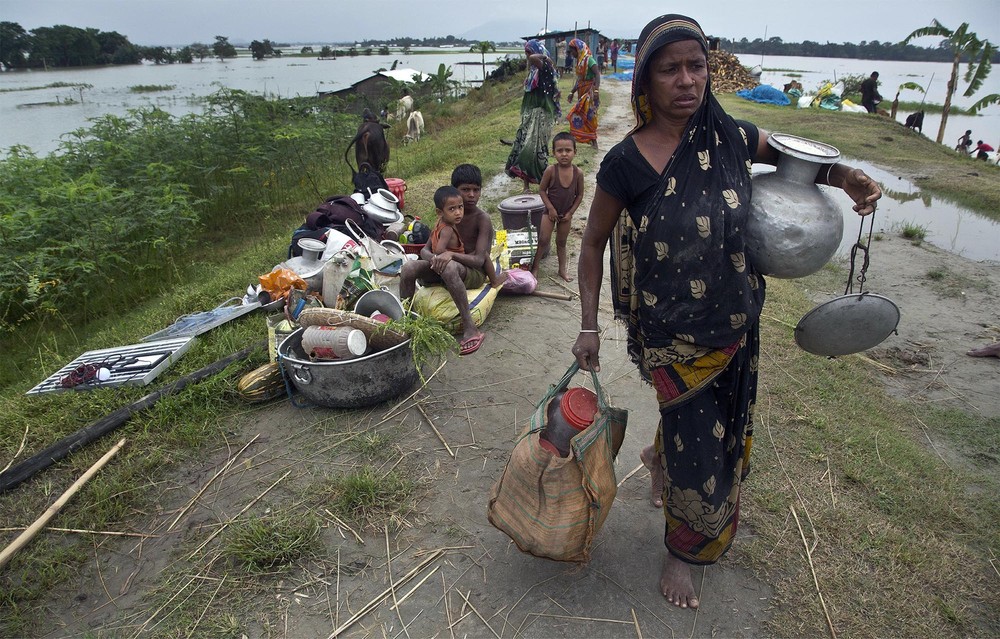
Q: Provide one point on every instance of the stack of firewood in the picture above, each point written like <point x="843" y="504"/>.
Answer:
<point x="728" y="75"/>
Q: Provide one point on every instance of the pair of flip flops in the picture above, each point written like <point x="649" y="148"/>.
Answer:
<point x="471" y="345"/>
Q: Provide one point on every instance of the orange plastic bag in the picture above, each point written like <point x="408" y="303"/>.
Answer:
<point x="280" y="281"/>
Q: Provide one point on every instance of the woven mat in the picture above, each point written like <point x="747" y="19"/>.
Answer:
<point x="379" y="336"/>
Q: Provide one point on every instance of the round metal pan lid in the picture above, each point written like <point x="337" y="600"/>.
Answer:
<point x="525" y="202"/>
<point x="847" y="324"/>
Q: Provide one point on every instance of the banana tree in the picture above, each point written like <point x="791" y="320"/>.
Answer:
<point x="963" y="43"/>
<point x="482" y="48"/>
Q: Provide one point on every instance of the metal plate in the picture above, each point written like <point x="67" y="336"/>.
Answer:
<point x="847" y="324"/>
<point x="198" y="323"/>
<point x="135" y="365"/>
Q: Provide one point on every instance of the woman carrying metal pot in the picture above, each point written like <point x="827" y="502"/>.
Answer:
<point x="673" y="199"/>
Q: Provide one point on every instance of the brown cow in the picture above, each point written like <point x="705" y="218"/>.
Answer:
<point x="370" y="145"/>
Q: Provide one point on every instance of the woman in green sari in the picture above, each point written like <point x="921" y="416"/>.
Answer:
<point x="539" y="109"/>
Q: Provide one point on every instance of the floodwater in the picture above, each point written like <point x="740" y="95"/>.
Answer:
<point x="37" y="118"/>
<point x="28" y="120"/>
<point x="932" y="76"/>
<point x="949" y="226"/>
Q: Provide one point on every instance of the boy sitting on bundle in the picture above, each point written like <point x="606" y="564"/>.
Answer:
<point x="442" y="261"/>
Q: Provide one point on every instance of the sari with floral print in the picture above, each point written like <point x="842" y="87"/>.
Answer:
<point x="690" y="301"/>
<point x="582" y="117"/>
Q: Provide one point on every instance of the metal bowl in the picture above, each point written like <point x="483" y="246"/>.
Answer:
<point x="349" y="383"/>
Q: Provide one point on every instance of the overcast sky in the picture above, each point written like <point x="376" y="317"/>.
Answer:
<point x="171" y="22"/>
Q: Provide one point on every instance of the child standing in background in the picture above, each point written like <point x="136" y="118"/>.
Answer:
<point x="562" y="192"/>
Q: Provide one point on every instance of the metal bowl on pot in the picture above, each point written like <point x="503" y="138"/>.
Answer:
<point x="350" y="383"/>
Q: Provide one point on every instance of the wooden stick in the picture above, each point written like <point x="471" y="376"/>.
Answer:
<point x="481" y="618"/>
<point x="634" y="471"/>
<point x="805" y="544"/>
<point x="341" y="523"/>
<point x="635" y="620"/>
<point x="563" y="286"/>
<point x="552" y="296"/>
<point x="374" y="603"/>
<point x="112" y="533"/>
<point x="32" y="530"/>
<point x="434" y="428"/>
<point x="542" y="614"/>
<point x="392" y="586"/>
<point x="414" y="589"/>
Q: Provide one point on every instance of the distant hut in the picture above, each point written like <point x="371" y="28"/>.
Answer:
<point x="552" y="38"/>
<point x="371" y="92"/>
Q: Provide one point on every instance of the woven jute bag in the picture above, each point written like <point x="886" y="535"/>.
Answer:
<point x="553" y="506"/>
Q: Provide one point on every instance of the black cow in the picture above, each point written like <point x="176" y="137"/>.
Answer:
<point x="915" y="121"/>
<point x="370" y="145"/>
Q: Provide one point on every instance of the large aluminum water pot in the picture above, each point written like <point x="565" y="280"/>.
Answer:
<point x="794" y="228"/>
<point x="349" y="383"/>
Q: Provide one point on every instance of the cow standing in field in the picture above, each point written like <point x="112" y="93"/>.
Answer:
<point x="403" y="106"/>
<point x="370" y="145"/>
<point x="414" y="127"/>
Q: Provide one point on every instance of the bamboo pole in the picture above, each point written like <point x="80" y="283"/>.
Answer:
<point x="552" y="296"/>
<point x="32" y="530"/>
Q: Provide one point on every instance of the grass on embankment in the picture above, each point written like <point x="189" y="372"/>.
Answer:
<point x="180" y="427"/>
<point x="931" y="166"/>
<point x="902" y="542"/>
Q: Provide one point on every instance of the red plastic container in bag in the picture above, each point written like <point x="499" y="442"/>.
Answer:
<point x="569" y="413"/>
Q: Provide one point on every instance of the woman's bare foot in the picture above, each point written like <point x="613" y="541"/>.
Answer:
<point x="566" y="276"/>
<point x="649" y="460"/>
<point x="676" y="584"/>
<point x="991" y="350"/>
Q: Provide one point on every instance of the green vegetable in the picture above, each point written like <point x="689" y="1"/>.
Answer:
<point x="428" y="338"/>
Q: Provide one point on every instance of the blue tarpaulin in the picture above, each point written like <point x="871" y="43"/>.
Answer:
<point x="765" y="94"/>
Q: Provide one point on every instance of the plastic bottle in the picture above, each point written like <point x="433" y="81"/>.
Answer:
<point x="568" y="414"/>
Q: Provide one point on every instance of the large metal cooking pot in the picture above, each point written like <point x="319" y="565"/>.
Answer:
<point x="794" y="228"/>
<point x="349" y="383"/>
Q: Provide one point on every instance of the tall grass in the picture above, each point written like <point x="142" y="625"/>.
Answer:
<point x="126" y="198"/>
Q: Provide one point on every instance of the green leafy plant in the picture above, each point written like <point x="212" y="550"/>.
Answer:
<point x="428" y="338"/>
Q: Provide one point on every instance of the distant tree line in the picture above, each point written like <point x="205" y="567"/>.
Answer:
<point x="420" y="42"/>
<point x="65" y="46"/>
<point x="864" y="50"/>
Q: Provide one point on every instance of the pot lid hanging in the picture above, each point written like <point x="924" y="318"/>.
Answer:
<point x="847" y="324"/>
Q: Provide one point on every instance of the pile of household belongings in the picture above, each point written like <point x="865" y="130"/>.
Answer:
<point x="342" y="251"/>
<point x="829" y="97"/>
